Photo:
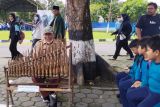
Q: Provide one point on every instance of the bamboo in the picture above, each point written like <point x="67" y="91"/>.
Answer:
<point x="50" y="62"/>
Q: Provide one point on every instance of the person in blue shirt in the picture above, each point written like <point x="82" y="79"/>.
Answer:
<point x="124" y="75"/>
<point x="128" y="80"/>
<point x="124" y="86"/>
<point x="140" y="74"/>
<point x="148" y="93"/>
<point x="153" y="83"/>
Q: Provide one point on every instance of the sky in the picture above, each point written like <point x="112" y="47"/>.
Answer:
<point x="156" y="1"/>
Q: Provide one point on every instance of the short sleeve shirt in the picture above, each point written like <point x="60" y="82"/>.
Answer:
<point x="149" y="25"/>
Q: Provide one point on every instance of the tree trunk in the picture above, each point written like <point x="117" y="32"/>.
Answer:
<point x="81" y="37"/>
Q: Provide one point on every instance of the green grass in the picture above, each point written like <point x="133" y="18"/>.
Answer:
<point x="4" y="35"/>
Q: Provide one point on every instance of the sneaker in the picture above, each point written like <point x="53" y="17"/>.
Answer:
<point x="45" y="99"/>
<point x="130" y="59"/>
<point x="112" y="59"/>
<point x="53" y="100"/>
<point x="118" y="95"/>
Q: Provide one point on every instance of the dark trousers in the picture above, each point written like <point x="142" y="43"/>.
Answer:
<point x="136" y="95"/>
<point x="122" y="44"/>
<point x="143" y="97"/>
<point x="13" y="48"/>
<point x="123" y="87"/>
<point x="120" y="76"/>
<point x="34" y="41"/>
<point x="42" y="80"/>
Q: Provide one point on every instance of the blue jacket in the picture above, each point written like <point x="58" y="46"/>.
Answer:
<point x="134" y="67"/>
<point x="154" y="77"/>
<point x="142" y="71"/>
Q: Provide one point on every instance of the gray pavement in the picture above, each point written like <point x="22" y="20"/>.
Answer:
<point x="83" y="96"/>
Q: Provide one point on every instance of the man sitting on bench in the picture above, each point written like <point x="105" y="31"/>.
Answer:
<point x="42" y="46"/>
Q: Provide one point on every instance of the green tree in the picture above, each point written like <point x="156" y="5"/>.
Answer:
<point x="26" y="16"/>
<point x="99" y="1"/>
<point x="101" y="7"/>
<point x="3" y="16"/>
<point x="134" y="8"/>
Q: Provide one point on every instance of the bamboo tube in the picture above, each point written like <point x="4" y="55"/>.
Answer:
<point x="10" y="73"/>
<point x="31" y="63"/>
<point x="39" y="55"/>
<point x="53" y="60"/>
<point x="16" y="67"/>
<point x="22" y="65"/>
<point x="28" y="64"/>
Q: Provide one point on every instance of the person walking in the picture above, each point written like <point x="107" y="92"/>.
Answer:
<point x="57" y="23"/>
<point x="148" y="24"/>
<point x="14" y="36"/>
<point x="123" y="33"/>
<point x="37" y="29"/>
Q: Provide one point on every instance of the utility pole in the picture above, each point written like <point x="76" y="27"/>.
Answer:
<point x="109" y="15"/>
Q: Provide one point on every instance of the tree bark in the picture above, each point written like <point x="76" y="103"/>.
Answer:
<point x="81" y="37"/>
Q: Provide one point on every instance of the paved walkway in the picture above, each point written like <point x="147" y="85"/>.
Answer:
<point x="83" y="96"/>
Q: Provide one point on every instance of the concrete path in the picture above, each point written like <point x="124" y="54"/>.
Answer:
<point x="83" y="97"/>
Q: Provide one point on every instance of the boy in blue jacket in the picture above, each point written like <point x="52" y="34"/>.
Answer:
<point x="125" y="82"/>
<point x="124" y="86"/>
<point x="122" y="76"/>
<point x="148" y="92"/>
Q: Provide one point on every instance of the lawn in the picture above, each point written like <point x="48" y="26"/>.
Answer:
<point x="28" y="35"/>
<point x="4" y="35"/>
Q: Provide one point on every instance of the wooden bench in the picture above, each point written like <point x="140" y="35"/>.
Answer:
<point x="54" y="63"/>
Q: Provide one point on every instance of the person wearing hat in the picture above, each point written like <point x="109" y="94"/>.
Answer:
<point x="57" y="23"/>
<point x="43" y="45"/>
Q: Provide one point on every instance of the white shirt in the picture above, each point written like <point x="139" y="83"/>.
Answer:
<point x="38" y="31"/>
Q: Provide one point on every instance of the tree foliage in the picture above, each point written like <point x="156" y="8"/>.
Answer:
<point x="134" y="8"/>
<point x="25" y="16"/>
<point x="3" y="16"/>
<point x="101" y="8"/>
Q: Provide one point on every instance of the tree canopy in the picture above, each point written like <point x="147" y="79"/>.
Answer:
<point x="134" y="8"/>
<point x="101" y="8"/>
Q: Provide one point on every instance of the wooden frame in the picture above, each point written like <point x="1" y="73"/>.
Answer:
<point x="66" y="86"/>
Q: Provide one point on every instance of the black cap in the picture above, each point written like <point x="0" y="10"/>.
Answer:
<point x="55" y="8"/>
